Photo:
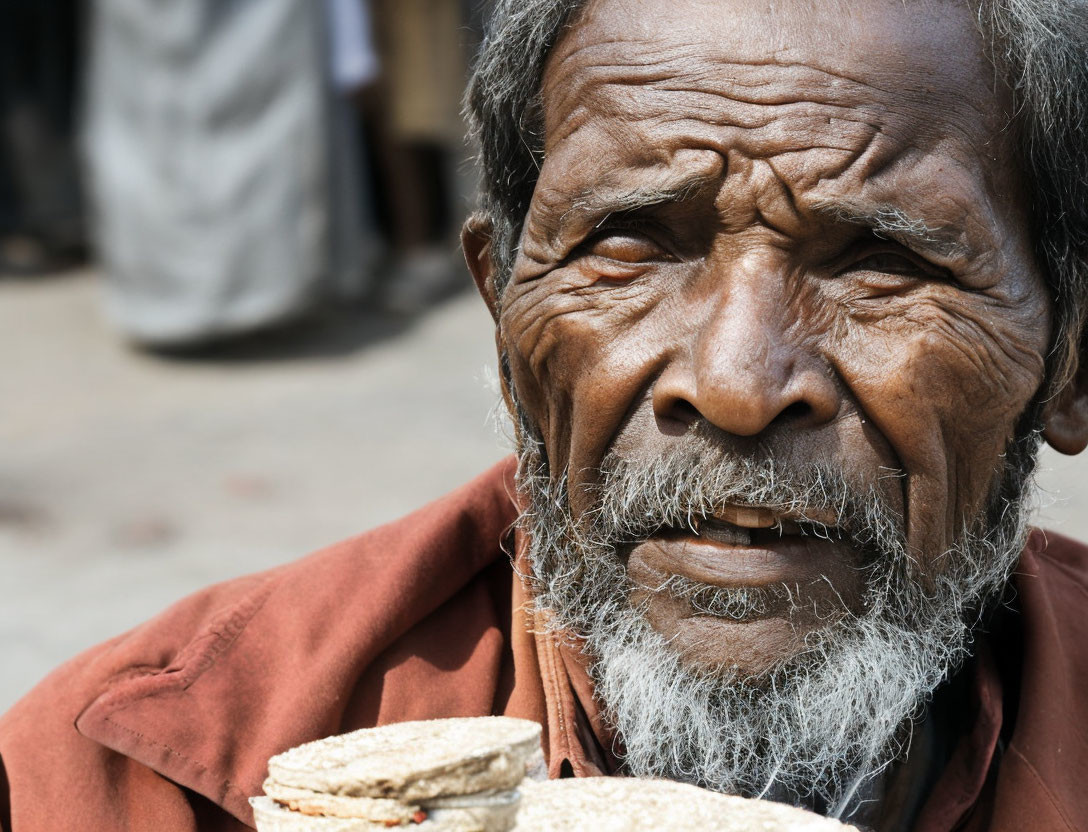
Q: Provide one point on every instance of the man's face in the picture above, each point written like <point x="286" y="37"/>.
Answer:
<point x="795" y="229"/>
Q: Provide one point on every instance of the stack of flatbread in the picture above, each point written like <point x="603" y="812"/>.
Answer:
<point x="448" y="774"/>
<point x="485" y="775"/>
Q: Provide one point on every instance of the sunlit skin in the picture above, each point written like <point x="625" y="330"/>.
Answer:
<point x="748" y="289"/>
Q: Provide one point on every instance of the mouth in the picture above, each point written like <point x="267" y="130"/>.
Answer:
<point x="744" y="533"/>
<point x="744" y="548"/>
<point x="747" y="526"/>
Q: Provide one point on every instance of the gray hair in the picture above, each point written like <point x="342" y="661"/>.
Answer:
<point x="1039" y="46"/>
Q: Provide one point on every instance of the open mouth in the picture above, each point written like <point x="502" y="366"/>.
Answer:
<point x="756" y="527"/>
<point x="743" y="563"/>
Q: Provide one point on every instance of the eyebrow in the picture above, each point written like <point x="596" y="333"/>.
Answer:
<point x="896" y="224"/>
<point x="598" y="204"/>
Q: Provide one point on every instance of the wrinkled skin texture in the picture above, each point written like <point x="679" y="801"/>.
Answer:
<point x="748" y="288"/>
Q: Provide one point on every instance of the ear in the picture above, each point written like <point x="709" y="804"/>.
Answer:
<point x="476" y="238"/>
<point x="1065" y="418"/>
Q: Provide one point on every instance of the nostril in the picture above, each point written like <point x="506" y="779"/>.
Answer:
<point x="675" y="419"/>
<point x="795" y="412"/>
<point x="684" y="411"/>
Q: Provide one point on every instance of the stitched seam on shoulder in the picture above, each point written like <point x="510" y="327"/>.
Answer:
<point x="194" y="665"/>
<point x="143" y="738"/>
<point x="1046" y="790"/>
<point x="220" y="635"/>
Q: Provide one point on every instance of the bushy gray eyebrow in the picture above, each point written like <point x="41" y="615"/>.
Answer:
<point x="896" y="224"/>
<point x="601" y="203"/>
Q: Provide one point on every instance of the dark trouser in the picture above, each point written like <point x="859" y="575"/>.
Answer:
<point x="40" y="50"/>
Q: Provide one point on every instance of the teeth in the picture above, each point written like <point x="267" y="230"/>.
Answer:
<point x="750" y="518"/>
<point x="723" y="532"/>
<point x="740" y="534"/>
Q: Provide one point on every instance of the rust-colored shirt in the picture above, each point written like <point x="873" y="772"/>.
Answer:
<point x="170" y="726"/>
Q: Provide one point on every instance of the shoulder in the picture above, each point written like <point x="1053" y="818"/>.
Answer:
<point x="1060" y="558"/>
<point x="1047" y="751"/>
<point x="1052" y="581"/>
<point x="1051" y="584"/>
<point x="417" y="561"/>
<point x="203" y="693"/>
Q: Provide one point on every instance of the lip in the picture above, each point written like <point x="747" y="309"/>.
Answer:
<point x="791" y="559"/>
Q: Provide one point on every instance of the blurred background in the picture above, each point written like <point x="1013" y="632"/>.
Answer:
<point x="234" y="321"/>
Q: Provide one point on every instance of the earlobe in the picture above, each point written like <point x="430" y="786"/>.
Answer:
<point x="476" y="236"/>
<point x="1065" y="419"/>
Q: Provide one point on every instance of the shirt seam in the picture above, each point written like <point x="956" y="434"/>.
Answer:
<point x="200" y="767"/>
<point x="1046" y="790"/>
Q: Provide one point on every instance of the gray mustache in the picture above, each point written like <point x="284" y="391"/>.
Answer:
<point x="697" y="478"/>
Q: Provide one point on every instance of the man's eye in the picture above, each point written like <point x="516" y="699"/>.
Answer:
<point x="888" y="262"/>
<point x="624" y="246"/>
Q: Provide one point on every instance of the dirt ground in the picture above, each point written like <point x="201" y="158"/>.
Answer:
<point x="129" y="480"/>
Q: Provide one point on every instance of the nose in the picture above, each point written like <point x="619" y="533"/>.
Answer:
<point x="743" y="369"/>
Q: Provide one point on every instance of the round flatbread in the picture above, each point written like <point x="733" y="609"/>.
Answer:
<point x="272" y="817"/>
<point x="308" y="802"/>
<point x="627" y="804"/>
<point x="413" y="761"/>
<point x="378" y="809"/>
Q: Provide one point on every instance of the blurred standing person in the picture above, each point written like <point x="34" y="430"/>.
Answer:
<point x="212" y="144"/>
<point x="413" y="121"/>
<point x="41" y="208"/>
<point x="353" y="66"/>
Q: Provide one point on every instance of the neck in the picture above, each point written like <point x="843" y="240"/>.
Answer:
<point x="894" y="800"/>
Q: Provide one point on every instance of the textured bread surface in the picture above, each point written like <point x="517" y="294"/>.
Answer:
<point x="309" y="802"/>
<point x="413" y="761"/>
<point x="378" y="809"/>
<point x="272" y="817"/>
<point x="620" y="804"/>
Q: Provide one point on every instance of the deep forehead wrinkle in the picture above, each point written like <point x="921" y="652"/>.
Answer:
<point x="653" y="65"/>
<point x="744" y="66"/>
<point x="658" y="35"/>
<point x="716" y="94"/>
<point x="788" y="110"/>
<point x="780" y="116"/>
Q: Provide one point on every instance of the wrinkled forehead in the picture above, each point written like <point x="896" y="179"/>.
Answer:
<point x="921" y="55"/>
<point x="891" y="102"/>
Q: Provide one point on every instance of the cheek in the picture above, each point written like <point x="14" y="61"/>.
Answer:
<point x="579" y="353"/>
<point x="945" y="378"/>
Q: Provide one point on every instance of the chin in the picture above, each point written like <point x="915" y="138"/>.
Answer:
<point x="747" y="650"/>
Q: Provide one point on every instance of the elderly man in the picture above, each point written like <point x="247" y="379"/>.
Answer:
<point x="786" y="295"/>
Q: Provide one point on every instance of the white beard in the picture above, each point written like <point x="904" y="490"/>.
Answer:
<point x="816" y="729"/>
